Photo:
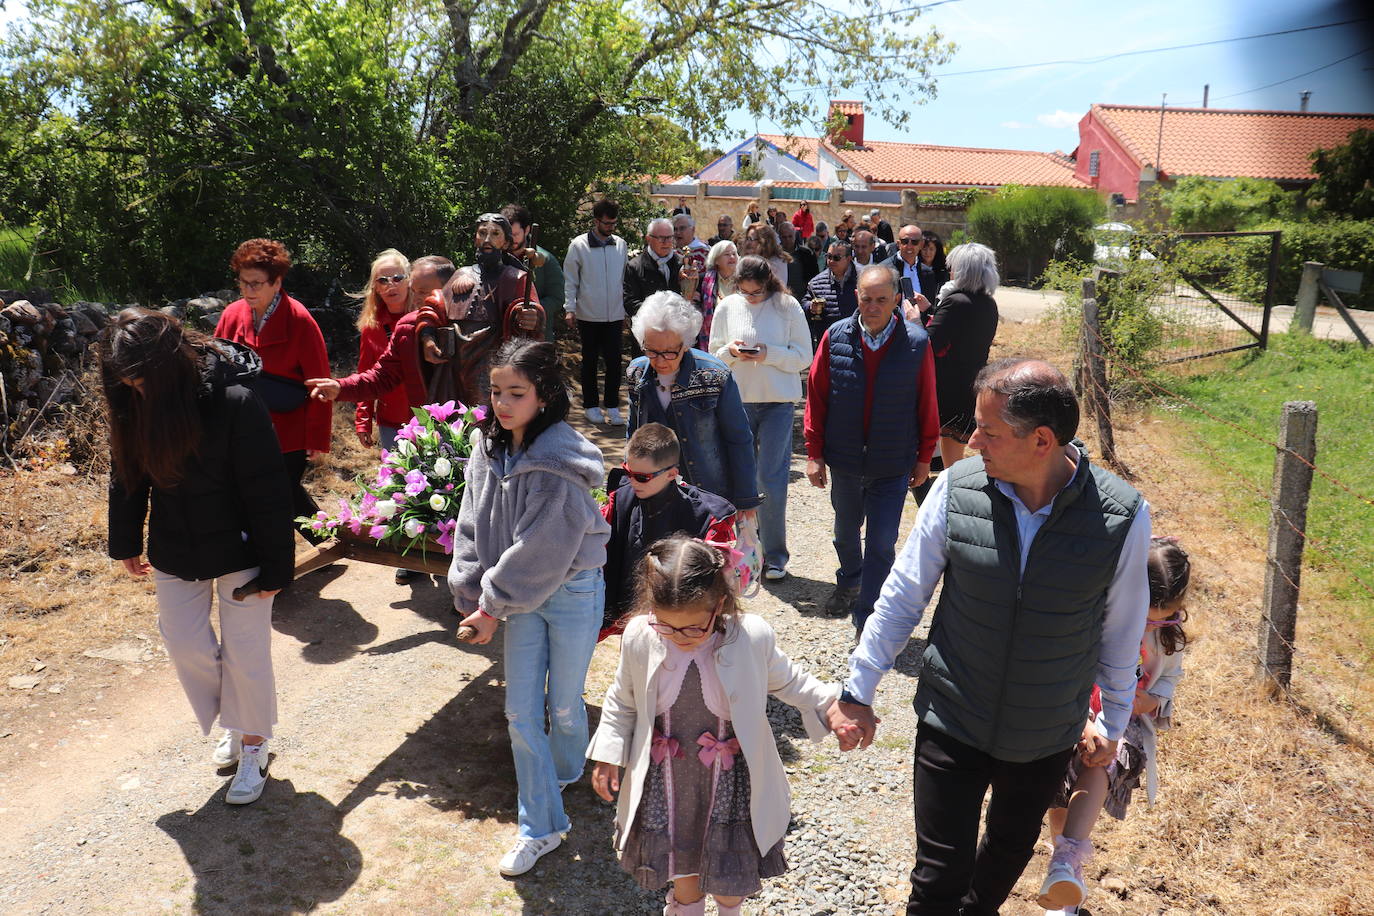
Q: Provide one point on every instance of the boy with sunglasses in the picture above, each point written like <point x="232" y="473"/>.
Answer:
<point x="648" y="501"/>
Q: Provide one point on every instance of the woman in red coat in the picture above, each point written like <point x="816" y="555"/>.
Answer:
<point x="289" y="341"/>
<point x="385" y="300"/>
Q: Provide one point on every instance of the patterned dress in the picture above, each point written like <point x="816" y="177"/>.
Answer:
<point x="694" y="816"/>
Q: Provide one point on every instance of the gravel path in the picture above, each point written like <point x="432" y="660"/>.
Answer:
<point x="392" y="788"/>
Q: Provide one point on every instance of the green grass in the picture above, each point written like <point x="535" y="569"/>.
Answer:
<point x="1250" y="392"/>
<point x="16" y="247"/>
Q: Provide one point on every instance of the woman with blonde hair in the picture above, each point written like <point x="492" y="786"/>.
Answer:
<point x="385" y="299"/>
<point x="770" y="249"/>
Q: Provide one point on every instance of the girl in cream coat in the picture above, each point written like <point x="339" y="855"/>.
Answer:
<point x="705" y="802"/>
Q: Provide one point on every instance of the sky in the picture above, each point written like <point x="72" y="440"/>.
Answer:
<point x="1038" y="107"/>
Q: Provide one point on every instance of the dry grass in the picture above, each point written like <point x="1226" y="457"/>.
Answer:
<point x="1262" y="809"/>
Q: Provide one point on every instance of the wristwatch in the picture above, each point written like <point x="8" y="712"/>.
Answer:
<point x="847" y="697"/>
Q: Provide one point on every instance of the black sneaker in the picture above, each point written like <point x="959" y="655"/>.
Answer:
<point x="403" y="576"/>
<point x="841" y="601"/>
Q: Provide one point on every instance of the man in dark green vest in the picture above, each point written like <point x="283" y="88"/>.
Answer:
<point x="1043" y="560"/>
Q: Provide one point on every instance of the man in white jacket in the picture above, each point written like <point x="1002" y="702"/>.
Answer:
<point x="594" y="303"/>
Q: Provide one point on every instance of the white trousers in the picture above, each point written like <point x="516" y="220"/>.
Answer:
<point x="229" y="677"/>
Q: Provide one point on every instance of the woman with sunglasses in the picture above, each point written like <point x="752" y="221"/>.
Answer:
<point x="286" y="337"/>
<point x="704" y="801"/>
<point x="693" y="394"/>
<point x="761" y="334"/>
<point x="385" y="299"/>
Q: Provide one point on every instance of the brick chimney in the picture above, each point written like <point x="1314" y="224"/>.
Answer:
<point x="853" y="132"/>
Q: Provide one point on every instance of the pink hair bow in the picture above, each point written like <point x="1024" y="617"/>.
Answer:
<point x="712" y="750"/>
<point x="663" y="748"/>
<point x="732" y="556"/>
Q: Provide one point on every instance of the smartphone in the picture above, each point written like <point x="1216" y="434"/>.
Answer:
<point x="907" y="292"/>
<point x="750" y="350"/>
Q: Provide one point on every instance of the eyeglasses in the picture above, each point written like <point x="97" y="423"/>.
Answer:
<point x="608" y="221"/>
<point x="663" y="354"/>
<point x="751" y="293"/>
<point x="390" y="279"/>
<point x="661" y="237"/>
<point x="690" y="632"/>
<point x="834" y="257"/>
<point x="253" y="285"/>
<point x="639" y="477"/>
<point x="910" y="241"/>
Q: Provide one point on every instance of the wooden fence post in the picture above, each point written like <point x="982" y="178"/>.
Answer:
<point x="1287" y="527"/>
<point x="1305" y="305"/>
<point x="1094" y="375"/>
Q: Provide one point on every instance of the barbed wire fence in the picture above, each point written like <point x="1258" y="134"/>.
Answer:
<point x="1333" y="691"/>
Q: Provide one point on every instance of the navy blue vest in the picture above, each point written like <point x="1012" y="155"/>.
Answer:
<point x="890" y="448"/>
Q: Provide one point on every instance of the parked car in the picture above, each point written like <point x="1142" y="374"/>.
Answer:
<point x="1112" y="243"/>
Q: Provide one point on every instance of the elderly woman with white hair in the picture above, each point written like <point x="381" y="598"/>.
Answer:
<point x="694" y="394"/>
<point x="961" y="325"/>
<point x="717" y="283"/>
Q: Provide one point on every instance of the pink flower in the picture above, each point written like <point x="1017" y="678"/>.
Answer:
<point x="377" y="532"/>
<point x="445" y="538"/>
<point x="355" y="524"/>
<point x="345" y="512"/>
<point x="367" y="506"/>
<point x="410" y="430"/>
<point x="416" y="482"/>
<point x="384" y="475"/>
<point x="442" y="412"/>
<point x="479" y="414"/>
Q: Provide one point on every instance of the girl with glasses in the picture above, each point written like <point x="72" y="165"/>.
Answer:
<point x="704" y="802"/>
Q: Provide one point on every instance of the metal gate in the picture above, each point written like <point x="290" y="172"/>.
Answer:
<point x="1217" y="292"/>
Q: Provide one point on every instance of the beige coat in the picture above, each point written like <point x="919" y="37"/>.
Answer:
<point x="750" y="667"/>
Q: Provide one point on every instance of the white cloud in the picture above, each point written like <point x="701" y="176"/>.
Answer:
<point x="1059" y="118"/>
<point x="1017" y="125"/>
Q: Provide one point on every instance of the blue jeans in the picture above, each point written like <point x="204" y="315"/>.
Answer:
<point x="386" y="436"/>
<point x="771" y="424"/>
<point x="874" y="503"/>
<point x="547" y="651"/>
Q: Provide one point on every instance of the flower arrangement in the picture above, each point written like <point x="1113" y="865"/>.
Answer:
<point x="418" y="486"/>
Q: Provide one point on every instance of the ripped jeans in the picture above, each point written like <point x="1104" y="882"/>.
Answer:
<point x="547" y="651"/>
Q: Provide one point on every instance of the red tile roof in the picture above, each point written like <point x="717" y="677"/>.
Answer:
<point x="1228" y="143"/>
<point x="923" y="164"/>
<point x="847" y="107"/>
<point x="804" y="148"/>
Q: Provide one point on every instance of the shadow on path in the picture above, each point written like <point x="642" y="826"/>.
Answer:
<point x="282" y="854"/>
<point x="331" y="629"/>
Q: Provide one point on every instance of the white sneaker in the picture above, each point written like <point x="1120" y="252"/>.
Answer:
<point x="1063" y="887"/>
<point x="614" y="418"/>
<point x="775" y="574"/>
<point x="594" y="415"/>
<point x="527" y="851"/>
<point x="251" y="776"/>
<point x="227" y="751"/>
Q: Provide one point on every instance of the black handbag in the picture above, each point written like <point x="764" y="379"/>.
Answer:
<point x="279" y="393"/>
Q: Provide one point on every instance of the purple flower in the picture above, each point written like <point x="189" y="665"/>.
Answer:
<point x="384" y="475"/>
<point x="355" y="524"/>
<point x="445" y="538"/>
<point x="345" y="512"/>
<point x="377" y="532"/>
<point x="416" y="482"/>
<point x="442" y="412"/>
<point x="410" y="430"/>
<point x="479" y="414"/>
<point x="367" y="506"/>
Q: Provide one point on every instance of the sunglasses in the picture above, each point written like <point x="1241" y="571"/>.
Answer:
<point x="910" y="241"/>
<point x="834" y="257"/>
<point x="689" y="632"/>
<point x="390" y="279"/>
<point x="638" y="477"/>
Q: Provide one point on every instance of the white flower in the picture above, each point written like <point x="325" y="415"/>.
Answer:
<point x="442" y="468"/>
<point x="413" y="527"/>
<point x="405" y="447"/>
<point x="384" y="509"/>
<point x="437" y="502"/>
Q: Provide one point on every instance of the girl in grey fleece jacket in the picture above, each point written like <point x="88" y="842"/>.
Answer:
<point x="528" y="550"/>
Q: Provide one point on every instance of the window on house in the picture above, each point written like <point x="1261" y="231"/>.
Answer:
<point x="1094" y="163"/>
<point x="743" y="161"/>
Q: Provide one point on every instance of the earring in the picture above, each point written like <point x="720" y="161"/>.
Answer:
<point x="541" y="411"/>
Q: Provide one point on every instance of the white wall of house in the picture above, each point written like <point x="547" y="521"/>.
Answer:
<point x="828" y="165"/>
<point x="769" y="159"/>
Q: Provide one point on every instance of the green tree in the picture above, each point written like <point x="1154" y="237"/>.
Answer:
<point x="1198" y="204"/>
<point x="1029" y="226"/>
<point x="155" y="135"/>
<point x="1345" y="177"/>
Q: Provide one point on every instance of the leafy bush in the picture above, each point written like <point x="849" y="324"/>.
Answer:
<point x="964" y="197"/>
<point x="1028" y="227"/>
<point x="1205" y="205"/>
<point x="1343" y="185"/>
<point x="1131" y="328"/>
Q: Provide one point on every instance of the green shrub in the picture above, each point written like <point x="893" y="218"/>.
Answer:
<point x="1028" y="227"/>
<point x="1206" y="205"/>
<point x="1132" y="329"/>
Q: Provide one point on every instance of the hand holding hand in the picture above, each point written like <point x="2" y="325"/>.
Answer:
<point x="1095" y="750"/>
<point x="323" y="389"/>
<point x="815" y="472"/>
<point x="484" y="624"/>
<point x="854" y="725"/>
<point x="135" y="567"/>
<point x="606" y="780"/>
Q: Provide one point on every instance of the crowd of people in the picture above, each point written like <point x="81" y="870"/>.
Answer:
<point x="1058" y="634"/>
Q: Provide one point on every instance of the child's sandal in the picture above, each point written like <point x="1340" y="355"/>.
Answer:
<point x="673" y="908"/>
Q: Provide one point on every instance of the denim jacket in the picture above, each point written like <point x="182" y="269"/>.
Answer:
<point x="708" y="416"/>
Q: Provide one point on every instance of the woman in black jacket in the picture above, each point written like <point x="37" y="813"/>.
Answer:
<point x="193" y="449"/>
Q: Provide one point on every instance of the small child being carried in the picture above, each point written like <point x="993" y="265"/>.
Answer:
<point x="1087" y="790"/>
<point x="705" y="802"/>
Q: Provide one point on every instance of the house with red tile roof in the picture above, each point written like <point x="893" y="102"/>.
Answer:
<point x="1124" y="148"/>
<point x="847" y="160"/>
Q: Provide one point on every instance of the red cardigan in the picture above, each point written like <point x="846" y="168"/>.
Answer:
<point x="291" y="346"/>
<point x="392" y="408"/>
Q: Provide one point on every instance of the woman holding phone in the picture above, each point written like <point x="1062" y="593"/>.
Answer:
<point x="761" y="334"/>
